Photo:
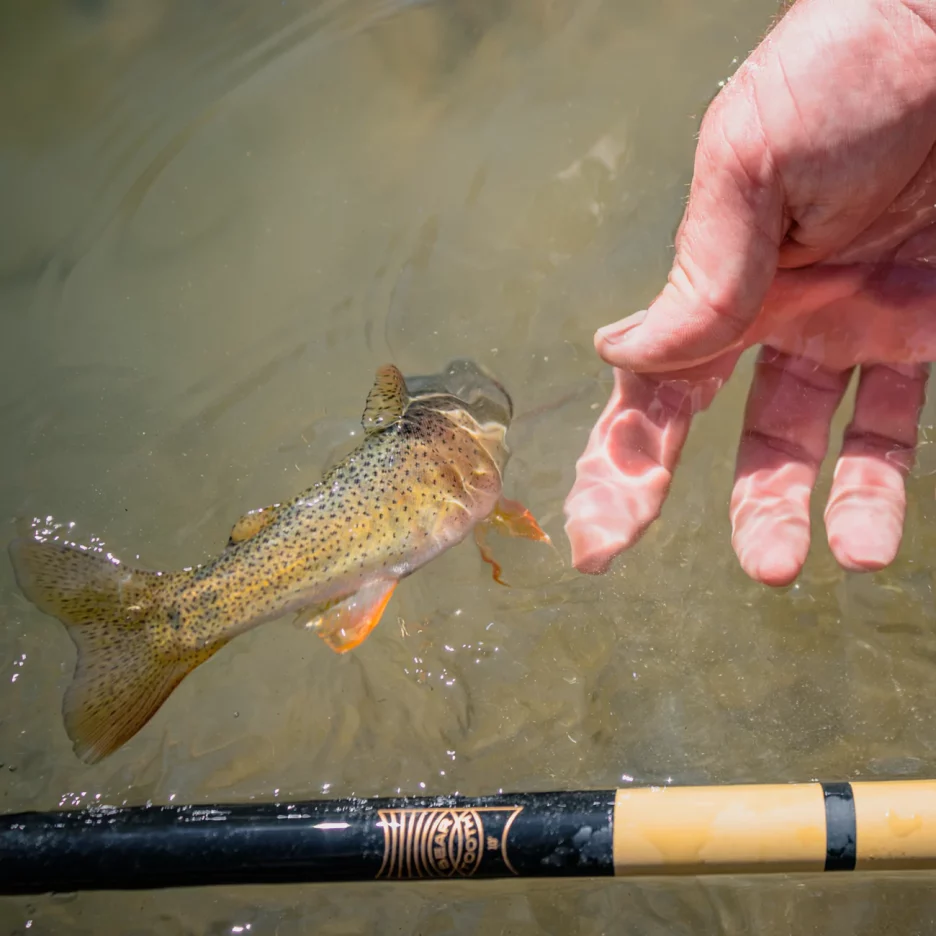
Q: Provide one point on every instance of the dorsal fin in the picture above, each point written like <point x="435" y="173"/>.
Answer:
<point x="386" y="400"/>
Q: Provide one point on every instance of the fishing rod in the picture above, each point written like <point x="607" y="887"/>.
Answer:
<point x="657" y="830"/>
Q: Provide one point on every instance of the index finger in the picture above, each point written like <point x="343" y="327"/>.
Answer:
<point x="624" y="474"/>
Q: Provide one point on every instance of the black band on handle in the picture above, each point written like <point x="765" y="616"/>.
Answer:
<point x="841" y="827"/>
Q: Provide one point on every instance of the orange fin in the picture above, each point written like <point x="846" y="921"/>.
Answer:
<point x="251" y="524"/>
<point x="347" y="624"/>
<point x="511" y="518"/>
<point x="310" y="617"/>
<point x="480" y="535"/>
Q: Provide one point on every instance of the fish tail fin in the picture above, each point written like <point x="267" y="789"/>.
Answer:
<point x="121" y="622"/>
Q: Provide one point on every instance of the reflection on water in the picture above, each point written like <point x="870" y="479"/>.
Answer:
<point x="219" y="219"/>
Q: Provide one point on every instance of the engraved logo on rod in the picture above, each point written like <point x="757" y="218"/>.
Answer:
<point x="439" y="842"/>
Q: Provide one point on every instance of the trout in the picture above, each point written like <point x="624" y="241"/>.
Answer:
<point x="428" y="472"/>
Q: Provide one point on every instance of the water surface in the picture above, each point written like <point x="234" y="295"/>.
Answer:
<point x="219" y="219"/>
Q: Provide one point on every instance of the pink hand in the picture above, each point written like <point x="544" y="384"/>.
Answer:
<point x="817" y="161"/>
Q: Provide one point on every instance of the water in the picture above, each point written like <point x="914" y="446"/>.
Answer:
<point x="219" y="219"/>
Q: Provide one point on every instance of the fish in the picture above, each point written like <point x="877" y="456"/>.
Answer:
<point x="428" y="472"/>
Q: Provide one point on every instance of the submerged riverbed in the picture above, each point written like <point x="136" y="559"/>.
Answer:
<point x="219" y="220"/>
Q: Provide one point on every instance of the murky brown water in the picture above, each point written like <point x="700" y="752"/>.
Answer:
<point x="219" y="218"/>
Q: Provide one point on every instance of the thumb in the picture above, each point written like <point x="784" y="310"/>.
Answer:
<point x="727" y="248"/>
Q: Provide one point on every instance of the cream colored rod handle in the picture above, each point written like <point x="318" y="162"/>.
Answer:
<point x="761" y="828"/>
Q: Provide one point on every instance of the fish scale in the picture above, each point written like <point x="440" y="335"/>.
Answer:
<point x="428" y="471"/>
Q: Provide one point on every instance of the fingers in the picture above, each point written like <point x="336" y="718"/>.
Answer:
<point x="784" y="440"/>
<point x="624" y="474"/>
<point x="865" y="513"/>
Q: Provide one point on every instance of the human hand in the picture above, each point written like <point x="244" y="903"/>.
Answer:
<point x="810" y="230"/>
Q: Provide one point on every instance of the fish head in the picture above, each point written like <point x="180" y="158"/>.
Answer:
<point x="472" y="398"/>
<point x="476" y="390"/>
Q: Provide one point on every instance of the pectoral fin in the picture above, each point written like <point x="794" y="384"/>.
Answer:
<point x="252" y="523"/>
<point x="386" y="400"/>
<point x="346" y="624"/>
<point x="480" y="535"/>
<point x="511" y="518"/>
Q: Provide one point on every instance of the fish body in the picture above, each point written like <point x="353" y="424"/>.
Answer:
<point x="428" y="471"/>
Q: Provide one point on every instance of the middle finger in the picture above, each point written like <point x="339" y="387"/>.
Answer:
<point x="784" y="439"/>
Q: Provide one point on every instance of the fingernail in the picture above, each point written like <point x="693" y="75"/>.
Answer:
<point x="611" y="334"/>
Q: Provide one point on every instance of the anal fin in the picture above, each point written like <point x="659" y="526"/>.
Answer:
<point x="309" y="618"/>
<point x="346" y="624"/>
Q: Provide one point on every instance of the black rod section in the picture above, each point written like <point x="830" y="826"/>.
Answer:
<point x="104" y="848"/>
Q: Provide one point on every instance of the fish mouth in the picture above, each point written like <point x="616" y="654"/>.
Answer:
<point x="477" y="390"/>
